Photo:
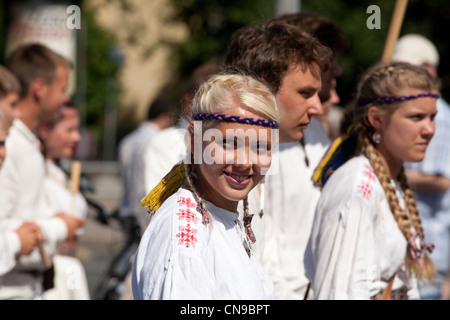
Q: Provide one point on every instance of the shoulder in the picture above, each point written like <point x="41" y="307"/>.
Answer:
<point x="180" y="218"/>
<point x="355" y="178"/>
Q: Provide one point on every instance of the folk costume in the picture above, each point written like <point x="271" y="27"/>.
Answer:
<point x="356" y="249"/>
<point x="356" y="246"/>
<point x="180" y="257"/>
<point x="193" y="249"/>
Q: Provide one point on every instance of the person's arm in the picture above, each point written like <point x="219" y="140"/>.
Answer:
<point x="427" y="182"/>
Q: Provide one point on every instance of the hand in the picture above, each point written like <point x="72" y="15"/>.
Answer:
<point x="29" y="234"/>
<point x="72" y="223"/>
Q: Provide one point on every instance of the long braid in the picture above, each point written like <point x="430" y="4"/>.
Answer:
<point x="190" y="183"/>
<point x="422" y="268"/>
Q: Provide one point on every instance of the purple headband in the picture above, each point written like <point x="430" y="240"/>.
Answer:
<point x="223" y="117"/>
<point x="396" y="99"/>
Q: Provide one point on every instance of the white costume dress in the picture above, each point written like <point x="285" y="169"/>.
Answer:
<point x="179" y="257"/>
<point x="356" y="245"/>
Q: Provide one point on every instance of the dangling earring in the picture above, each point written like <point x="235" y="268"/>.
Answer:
<point x="376" y="137"/>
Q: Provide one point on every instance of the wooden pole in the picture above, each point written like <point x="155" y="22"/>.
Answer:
<point x="394" y="29"/>
<point x="75" y="175"/>
<point x="44" y="256"/>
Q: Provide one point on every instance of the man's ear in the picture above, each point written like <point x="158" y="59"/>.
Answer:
<point x="38" y="87"/>
<point x="376" y="118"/>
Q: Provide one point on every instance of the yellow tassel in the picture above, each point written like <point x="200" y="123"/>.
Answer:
<point x="164" y="189"/>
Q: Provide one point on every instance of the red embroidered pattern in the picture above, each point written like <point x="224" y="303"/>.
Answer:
<point x="368" y="173"/>
<point x="187" y="202"/>
<point x="186" y="236"/>
<point x="366" y="185"/>
<point x="187" y="215"/>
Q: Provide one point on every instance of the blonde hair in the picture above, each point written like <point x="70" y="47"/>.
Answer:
<point x="223" y="91"/>
<point x="387" y="80"/>
<point x="8" y="82"/>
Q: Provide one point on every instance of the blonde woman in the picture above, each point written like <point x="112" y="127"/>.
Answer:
<point x="367" y="237"/>
<point x="195" y="246"/>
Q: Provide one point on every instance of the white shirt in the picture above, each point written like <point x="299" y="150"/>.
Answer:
<point x="181" y="258"/>
<point x="132" y="161"/>
<point x="57" y="188"/>
<point x="161" y="153"/>
<point x="356" y="245"/>
<point x="21" y="194"/>
<point x="289" y="206"/>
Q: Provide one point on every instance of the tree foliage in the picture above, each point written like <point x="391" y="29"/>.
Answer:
<point x="211" y="23"/>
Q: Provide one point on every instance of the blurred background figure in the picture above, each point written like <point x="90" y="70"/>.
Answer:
<point x="9" y="95"/>
<point x="430" y="178"/>
<point x="132" y="161"/>
<point x="59" y="141"/>
<point x="43" y="76"/>
<point x="22" y="240"/>
<point x="2" y="142"/>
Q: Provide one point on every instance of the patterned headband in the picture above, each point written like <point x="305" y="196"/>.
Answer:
<point x="223" y="117"/>
<point x="396" y="99"/>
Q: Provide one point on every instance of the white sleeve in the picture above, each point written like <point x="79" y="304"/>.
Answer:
<point x="343" y="251"/>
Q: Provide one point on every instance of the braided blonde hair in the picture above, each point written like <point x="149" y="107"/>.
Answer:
<point x="386" y="80"/>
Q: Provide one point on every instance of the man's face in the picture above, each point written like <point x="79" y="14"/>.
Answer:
<point x="298" y="100"/>
<point x="55" y="95"/>
<point x="8" y="110"/>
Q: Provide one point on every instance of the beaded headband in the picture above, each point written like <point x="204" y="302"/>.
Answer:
<point x="223" y="117"/>
<point x="396" y="99"/>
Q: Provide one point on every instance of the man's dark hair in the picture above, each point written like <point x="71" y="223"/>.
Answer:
<point x="268" y="50"/>
<point x="31" y="61"/>
<point x="320" y="27"/>
<point x="158" y="108"/>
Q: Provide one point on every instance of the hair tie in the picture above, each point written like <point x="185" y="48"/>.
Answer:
<point x="417" y="246"/>
<point x="363" y="100"/>
<point x="228" y="118"/>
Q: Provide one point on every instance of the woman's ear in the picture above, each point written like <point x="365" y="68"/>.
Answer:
<point x="375" y="117"/>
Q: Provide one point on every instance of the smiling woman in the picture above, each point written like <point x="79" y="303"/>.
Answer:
<point x="196" y="246"/>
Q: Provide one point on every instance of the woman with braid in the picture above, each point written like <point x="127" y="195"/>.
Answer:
<point x="367" y="238"/>
<point x="195" y="246"/>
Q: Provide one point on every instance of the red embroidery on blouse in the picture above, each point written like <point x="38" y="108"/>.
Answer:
<point x="366" y="185"/>
<point x="368" y="173"/>
<point x="186" y="236"/>
<point x="187" y="202"/>
<point x="187" y="215"/>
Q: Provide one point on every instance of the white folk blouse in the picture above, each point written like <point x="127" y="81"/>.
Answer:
<point x="179" y="257"/>
<point x="356" y="245"/>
